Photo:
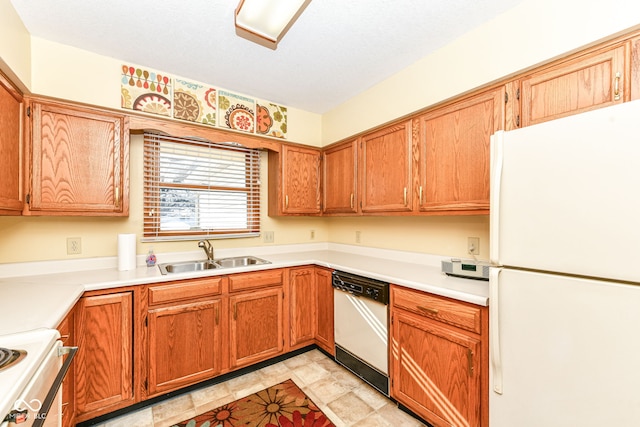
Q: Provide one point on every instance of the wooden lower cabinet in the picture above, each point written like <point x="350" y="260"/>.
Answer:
<point x="141" y="342"/>
<point x="256" y="326"/>
<point x="67" y="336"/>
<point x="184" y="344"/>
<point x="324" y="313"/>
<point x="302" y="306"/>
<point x="438" y="361"/>
<point x="104" y="362"/>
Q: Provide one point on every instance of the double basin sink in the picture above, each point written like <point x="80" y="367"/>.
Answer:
<point x="190" y="266"/>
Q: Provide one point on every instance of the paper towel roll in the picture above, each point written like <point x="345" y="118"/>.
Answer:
<point x="126" y="252"/>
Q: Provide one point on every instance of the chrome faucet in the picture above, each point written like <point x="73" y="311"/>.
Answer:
<point x="207" y="248"/>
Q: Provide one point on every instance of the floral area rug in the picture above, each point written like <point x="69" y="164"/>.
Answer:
<point x="281" y="405"/>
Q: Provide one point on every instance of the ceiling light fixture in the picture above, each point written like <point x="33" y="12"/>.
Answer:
<point x="266" y="21"/>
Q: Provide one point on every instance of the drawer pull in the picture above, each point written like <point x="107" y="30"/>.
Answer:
<point x="616" y="87"/>
<point x="429" y="310"/>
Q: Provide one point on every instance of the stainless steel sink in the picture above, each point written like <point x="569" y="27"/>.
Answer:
<point x="189" y="266"/>
<point x="240" y="261"/>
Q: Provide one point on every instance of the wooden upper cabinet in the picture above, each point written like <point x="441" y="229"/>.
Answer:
<point x="385" y="169"/>
<point x="454" y="155"/>
<point x="340" y="178"/>
<point x="594" y="80"/>
<point x="78" y="160"/>
<point x="11" y="202"/>
<point x="294" y="181"/>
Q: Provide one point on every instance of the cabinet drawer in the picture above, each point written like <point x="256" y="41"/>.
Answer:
<point x="258" y="279"/>
<point x="185" y="290"/>
<point x="444" y="310"/>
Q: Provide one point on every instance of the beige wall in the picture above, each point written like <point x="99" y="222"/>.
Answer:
<point x="15" y="46"/>
<point x="66" y="72"/>
<point x="44" y="238"/>
<point x="533" y="32"/>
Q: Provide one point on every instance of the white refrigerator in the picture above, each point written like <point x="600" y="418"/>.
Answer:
<point x="565" y="286"/>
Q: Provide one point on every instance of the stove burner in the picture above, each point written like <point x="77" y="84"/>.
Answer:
<point x="9" y="357"/>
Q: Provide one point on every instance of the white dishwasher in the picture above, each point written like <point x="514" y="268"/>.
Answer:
<point x="361" y="324"/>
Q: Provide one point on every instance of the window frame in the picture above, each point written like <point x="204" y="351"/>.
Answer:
<point x="153" y="185"/>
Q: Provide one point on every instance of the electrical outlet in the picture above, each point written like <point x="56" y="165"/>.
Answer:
<point x="312" y="234"/>
<point x="473" y="245"/>
<point x="268" y="237"/>
<point x="358" y="236"/>
<point x="74" y="245"/>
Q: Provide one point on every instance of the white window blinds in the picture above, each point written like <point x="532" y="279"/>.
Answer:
<point x="196" y="189"/>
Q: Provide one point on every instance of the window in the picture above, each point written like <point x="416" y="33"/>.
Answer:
<point x="196" y="189"/>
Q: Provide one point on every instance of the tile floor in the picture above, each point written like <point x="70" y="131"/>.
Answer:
<point x="342" y="396"/>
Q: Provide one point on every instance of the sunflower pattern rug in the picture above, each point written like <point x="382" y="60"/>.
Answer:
<point x="281" y="405"/>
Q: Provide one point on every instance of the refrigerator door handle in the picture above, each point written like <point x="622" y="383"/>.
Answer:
<point x="494" y="328"/>
<point x="497" y="155"/>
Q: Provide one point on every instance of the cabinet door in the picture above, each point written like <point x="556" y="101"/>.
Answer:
<point x="340" y="177"/>
<point x="184" y="345"/>
<point x="256" y="326"/>
<point x="104" y="362"/>
<point x="436" y="371"/>
<point x="454" y="153"/>
<point x="302" y="306"/>
<point x="300" y="180"/>
<point x="386" y="160"/>
<point x="10" y="149"/>
<point x="67" y="336"/>
<point x="324" y="335"/>
<point x="79" y="162"/>
<point x="588" y="82"/>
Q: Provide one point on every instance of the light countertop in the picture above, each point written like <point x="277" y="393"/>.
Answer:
<point x="41" y="301"/>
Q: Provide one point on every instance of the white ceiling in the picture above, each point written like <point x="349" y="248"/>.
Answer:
<point x="336" y="49"/>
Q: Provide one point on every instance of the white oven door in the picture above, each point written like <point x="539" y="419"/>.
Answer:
<point x="360" y="327"/>
<point x="31" y="407"/>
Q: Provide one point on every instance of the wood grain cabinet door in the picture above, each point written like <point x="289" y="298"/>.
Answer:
<point x="67" y="336"/>
<point x="184" y="344"/>
<point x="10" y="149"/>
<point x="591" y="81"/>
<point x="104" y="362"/>
<point x="302" y="306"/>
<point x="256" y="326"/>
<point x="436" y="371"/>
<point x="324" y="335"/>
<point x="386" y="168"/>
<point x="79" y="162"/>
<point x="340" y="178"/>
<point x="300" y="180"/>
<point x="454" y="153"/>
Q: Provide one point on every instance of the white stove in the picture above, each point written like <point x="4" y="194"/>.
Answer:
<point x="24" y="385"/>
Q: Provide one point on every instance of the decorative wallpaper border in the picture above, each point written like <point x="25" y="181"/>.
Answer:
<point x="157" y="93"/>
